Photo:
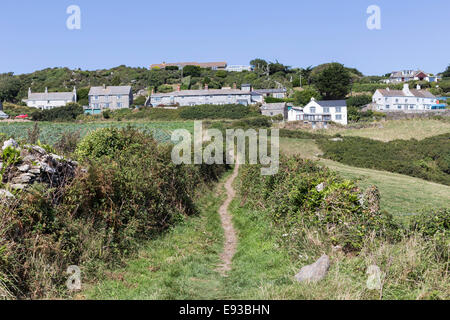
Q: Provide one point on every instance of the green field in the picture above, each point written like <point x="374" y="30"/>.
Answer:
<point x="394" y="129"/>
<point x="401" y="195"/>
<point x="50" y="132"/>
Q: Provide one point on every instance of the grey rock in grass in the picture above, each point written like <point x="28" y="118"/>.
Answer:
<point x="24" y="168"/>
<point x="314" y="272"/>
<point x="337" y="139"/>
<point x="374" y="279"/>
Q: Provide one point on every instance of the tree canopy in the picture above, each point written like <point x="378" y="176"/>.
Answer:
<point x="333" y="82"/>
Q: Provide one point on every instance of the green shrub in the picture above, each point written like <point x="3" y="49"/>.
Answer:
<point x="295" y="203"/>
<point x="68" y="113"/>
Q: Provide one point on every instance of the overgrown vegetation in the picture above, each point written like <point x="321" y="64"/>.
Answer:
<point x="428" y="159"/>
<point x="130" y="192"/>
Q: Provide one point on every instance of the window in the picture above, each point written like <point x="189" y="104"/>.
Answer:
<point x="387" y="106"/>
<point x="119" y="105"/>
<point x="399" y="107"/>
<point x="107" y="98"/>
<point x="326" y="110"/>
<point x="313" y="110"/>
<point x="119" y="97"/>
<point x="338" y="109"/>
<point x="95" y="97"/>
<point x="338" y="117"/>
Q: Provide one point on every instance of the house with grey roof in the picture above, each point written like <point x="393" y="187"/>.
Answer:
<point x="275" y="109"/>
<point x="182" y="98"/>
<point x="49" y="100"/>
<point x="320" y="113"/>
<point x="109" y="97"/>
<point x="404" y="100"/>
<point x="279" y="93"/>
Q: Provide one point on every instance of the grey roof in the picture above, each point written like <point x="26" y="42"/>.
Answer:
<point x="109" y="90"/>
<point x="64" y="96"/>
<point x="263" y="91"/>
<point x="400" y="93"/>
<point x="332" y="103"/>
<point x="209" y="92"/>
<point x="273" y="106"/>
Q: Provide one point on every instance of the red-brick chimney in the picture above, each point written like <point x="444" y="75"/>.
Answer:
<point x="178" y="87"/>
<point x="206" y="86"/>
<point x="234" y="86"/>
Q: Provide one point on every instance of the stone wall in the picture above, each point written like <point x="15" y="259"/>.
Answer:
<point x="417" y="114"/>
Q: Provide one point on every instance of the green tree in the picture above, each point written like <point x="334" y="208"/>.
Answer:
<point x="193" y="71"/>
<point x="302" y="98"/>
<point x="259" y="64"/>
<point x="9" y="87"/>
<point x="83" y="96"/>
<point x="334" y="82"/>
<point x="446" y="73"/>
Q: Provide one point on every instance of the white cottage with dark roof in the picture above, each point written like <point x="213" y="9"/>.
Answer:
<point x="404" y="100"/>
<point x="320" y="113"/>
<point x="49" y="100"/>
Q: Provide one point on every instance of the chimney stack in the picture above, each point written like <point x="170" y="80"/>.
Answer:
<point x="104" y="86"/>
<point x="418" y="87"/>
<point x="46" y="90"/>
<point x="29" y="92"/>
<point x="206" y="86"/>
<point x="234" y="86"/>
<point x="178" y="87"/>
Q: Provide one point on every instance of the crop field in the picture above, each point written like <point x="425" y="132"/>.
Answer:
<point x="51" y="132"/>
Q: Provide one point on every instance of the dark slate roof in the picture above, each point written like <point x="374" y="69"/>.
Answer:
<point x="264" y="91"/>
<point x="332" y="103"/>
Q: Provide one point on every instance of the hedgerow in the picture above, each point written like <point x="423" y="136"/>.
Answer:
<point x="130" y="192"/>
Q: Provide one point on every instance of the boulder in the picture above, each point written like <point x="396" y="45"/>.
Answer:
<point x="337" y="139"/>
<point x="314" y="272"/>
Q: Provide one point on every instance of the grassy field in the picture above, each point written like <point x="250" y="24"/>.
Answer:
<point x="401" y="195"/>
<point x="395" y="129"/>
<point x="50" y="131"/>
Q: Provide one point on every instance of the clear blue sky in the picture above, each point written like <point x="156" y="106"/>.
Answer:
<point x="414" y="34"/>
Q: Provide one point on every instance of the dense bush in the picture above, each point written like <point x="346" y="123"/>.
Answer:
<point x="359" y="101"/>
<point x="208" y="111"/>
<point x="294" y="202"/>
<point x="428" y="159"/>
<point x="68" y="113"/>
<point x="130" y="192"/>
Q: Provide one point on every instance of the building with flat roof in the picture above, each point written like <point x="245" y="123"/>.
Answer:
<point x="212" y="65"/>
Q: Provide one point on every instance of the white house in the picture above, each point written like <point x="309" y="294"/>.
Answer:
<point x="320" y="113"/>
<point x="403" y="100"/>
<point x="49" y="100"/>
<point x="182" y="98"/>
